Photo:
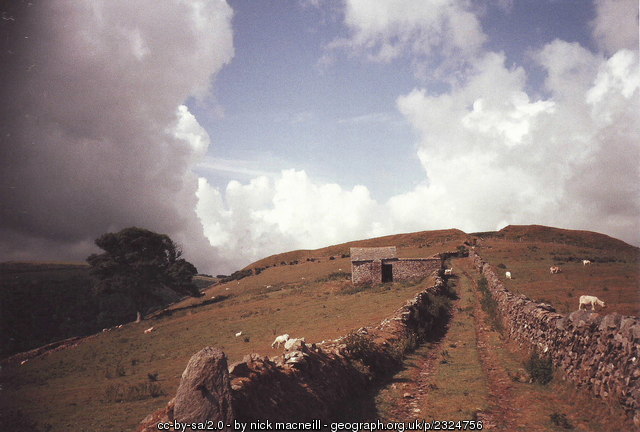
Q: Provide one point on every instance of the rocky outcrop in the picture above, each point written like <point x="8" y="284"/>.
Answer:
<point x="598" y="352"/>
<point x="204" y="391"/>
<point x="305" y="383"/>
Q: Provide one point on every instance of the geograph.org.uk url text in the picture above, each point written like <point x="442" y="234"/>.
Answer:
<point x="268" y="425"/>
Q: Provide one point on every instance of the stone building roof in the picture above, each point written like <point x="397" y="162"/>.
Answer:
<point x="374" y="253"/>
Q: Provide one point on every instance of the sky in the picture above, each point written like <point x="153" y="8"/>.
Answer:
<point x="243" y="129"/>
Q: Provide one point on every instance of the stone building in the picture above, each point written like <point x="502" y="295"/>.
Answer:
<point x="381" y="264"/>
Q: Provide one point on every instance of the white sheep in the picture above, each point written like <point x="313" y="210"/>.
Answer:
<point x="149" y="330"/>
<point x="586" y="262"/>
<point x="448" y="272"/>
<point x="508" y="275"/>
<point x="280" y="340"/>
<point x="592" y="300"/>
<point x="239" y="334"/>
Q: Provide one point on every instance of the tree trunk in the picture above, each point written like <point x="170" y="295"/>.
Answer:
<point x="138" y="316"/>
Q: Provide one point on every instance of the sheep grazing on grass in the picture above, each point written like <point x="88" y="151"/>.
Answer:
<point x="554" y="269"/>
<point x="239" y="334"/>
<point x="592" y="300"/>
<point x="149" y="330"/>
<point x="448" y="272"/>
<point x="508" y="275"/>
<point x="280" y="340"/>
<point x="586" y="262"/>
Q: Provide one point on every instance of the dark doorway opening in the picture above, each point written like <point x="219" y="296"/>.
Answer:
<point x="387" y="273"/>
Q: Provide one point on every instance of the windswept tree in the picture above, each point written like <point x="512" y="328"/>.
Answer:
<point x="139" y="264"/>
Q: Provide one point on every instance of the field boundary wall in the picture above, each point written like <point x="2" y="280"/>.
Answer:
<point x="306" y="382"/>
<point x="600" y="353"/>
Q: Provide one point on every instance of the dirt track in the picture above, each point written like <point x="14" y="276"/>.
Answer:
<point x="486" y="381"/>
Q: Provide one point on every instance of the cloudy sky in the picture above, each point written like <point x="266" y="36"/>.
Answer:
<point x="246" y="128"/>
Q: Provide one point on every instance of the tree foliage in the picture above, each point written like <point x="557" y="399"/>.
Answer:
<point x="140" y="264"/>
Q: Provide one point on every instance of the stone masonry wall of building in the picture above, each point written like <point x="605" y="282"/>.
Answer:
<point x="404" y="269"/>
<point x="601" y="353"/>
<point x="361" y="272"/>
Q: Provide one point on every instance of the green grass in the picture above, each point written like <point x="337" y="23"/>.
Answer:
<point x="460" y="386"/>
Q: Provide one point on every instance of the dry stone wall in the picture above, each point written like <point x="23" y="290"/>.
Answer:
<point x="307" y="382"/>
<point x="598" y="352"/>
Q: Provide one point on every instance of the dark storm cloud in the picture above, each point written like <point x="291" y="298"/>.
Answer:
<point x="90" y="96"/>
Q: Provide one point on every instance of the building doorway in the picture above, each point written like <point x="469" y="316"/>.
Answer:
<point x="387" y="273"/>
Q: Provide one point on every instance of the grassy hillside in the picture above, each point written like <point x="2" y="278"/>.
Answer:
<point x="418" y="244"/>
<point x="43" y="302"/>
<point x="528" y="252"/>
<point x="113" y="380"/>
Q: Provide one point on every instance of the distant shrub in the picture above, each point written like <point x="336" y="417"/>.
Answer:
<point x="540" y="368"/>
<point x="117" y="371"/>
<point x="463" y="251"/>
<point x="502" y="266"/>
<point x="237" y="275"/>
<point x="345" y="255"/>
<point x="332" y="258"/>
<point x="489" y="304"/>
<point x="483" y="284"/>
<point x="119" y="393"/>
<point x="153" y="376"/>
<point x="362" y="349"/>
<point x="359" y="345"/>
<point x="439" y="307"/>
<point x="560" y="420"/>
<point x="403" y="345"/>
<point x="335" y="276"/>
<point x="354" y="288"/>
<point x="120" y="370"/>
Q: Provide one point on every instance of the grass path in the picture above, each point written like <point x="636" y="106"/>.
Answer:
<point x="442" y="380"/>
<point x="472" y="373"/>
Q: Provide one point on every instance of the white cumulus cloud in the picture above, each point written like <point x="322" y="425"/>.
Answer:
<point x="267" y="216"/>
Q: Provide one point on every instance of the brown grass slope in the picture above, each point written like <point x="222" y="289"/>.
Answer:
<point x="529" y="251"/>
<point x="541" y="233"/>
<point x="409" y="242"/>
<point x="112" y="380"/>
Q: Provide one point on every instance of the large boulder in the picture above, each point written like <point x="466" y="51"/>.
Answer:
<point x="205" y="390"/>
